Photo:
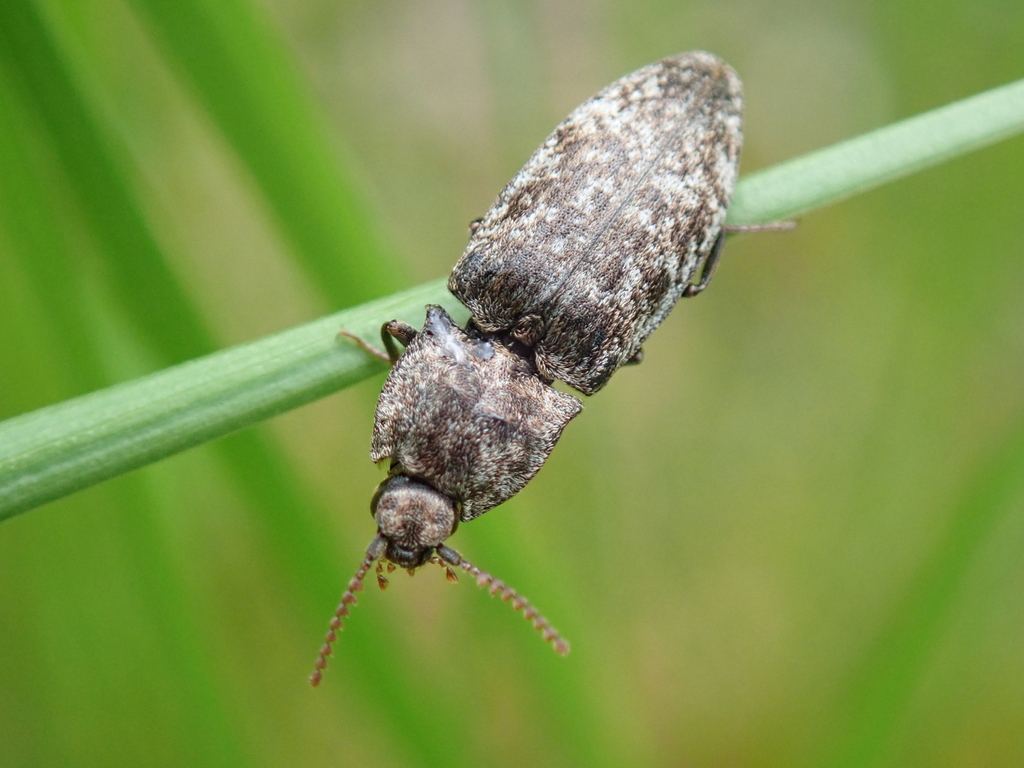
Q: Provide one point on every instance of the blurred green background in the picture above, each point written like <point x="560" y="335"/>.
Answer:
<point x="792" y="537"/>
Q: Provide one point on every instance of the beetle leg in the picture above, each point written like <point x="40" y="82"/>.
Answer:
<point x="394" y="329"/>
<point x="708" y="270"/>
<point x="771" y="226"/>
<point x="711" y="263"/>
<point x="366" y="346"/>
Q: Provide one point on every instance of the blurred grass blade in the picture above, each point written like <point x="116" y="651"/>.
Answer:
<point x="27" y="219"/>
<point x="63" y="448"/>
<point x="141" y="281"/>
<point x="857" y="165"/>
<point x="55" y="151"/>
<point x="249" y="85"/>
<point x="885" y="682"/>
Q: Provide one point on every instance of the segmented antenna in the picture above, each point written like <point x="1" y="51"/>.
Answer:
<point x="519" y="603"/>
<point x="373" y="552"/>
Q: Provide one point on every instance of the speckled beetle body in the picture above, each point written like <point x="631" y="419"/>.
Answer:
<point x="613" y="219"/>
<point x="608" y="224"/>
<point x="485" y="404"/>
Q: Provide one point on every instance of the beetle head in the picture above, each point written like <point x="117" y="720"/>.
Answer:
<point x="414" y="519"/>
<point x="413" y="522"/>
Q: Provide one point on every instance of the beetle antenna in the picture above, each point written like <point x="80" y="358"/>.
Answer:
<point x="519" y="603"/>
<point x="373" y="552"/>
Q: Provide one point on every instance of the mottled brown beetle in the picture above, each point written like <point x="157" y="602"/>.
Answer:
<point x="592" y="243"/>
<point x="613" y="219"/>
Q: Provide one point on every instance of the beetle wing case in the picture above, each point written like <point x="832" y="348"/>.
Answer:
<point x="587" y="249"/>
<point x="467" y="416"/>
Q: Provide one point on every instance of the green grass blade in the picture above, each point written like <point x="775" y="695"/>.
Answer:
<point x="60" y="449"/>
<point x="250" y="87"/>
<point x="27" y="218"/>
<point x="857" y="165"/>
<point x="142" y="283"/>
